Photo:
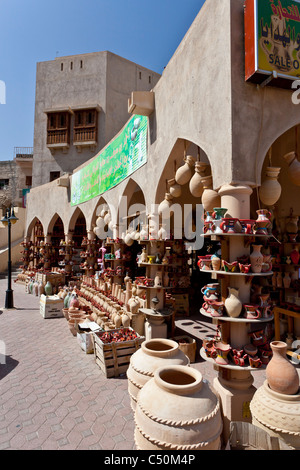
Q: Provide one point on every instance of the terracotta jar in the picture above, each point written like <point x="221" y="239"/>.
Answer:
<point x="184" y="173"/>
<point x="294" y="167"/>
<point x="277" y="414"/>
<point x="270" y="190"/>
<point x="177" y="410"/>
<point x="233" y="304"/>
<point x="153" y="354"/>
<point x="210" y="198"/>
<point x="174" y="188"/>
<point x="256" y="259"/>
<point x="196" y="186"/>
<point x="281" y="375"/>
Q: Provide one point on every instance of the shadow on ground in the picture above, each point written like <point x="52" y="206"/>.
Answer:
<point x="7" y="365"/>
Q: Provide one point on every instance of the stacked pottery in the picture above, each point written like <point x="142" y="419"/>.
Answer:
<point x="153" y="354"/>
<point x="275" y="407"/>
<point x="177" y="410"/>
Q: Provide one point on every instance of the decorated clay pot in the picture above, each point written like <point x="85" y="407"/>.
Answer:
<point x="256" y="259"/>
<point x="277" y="414"/>
<point x="153" y="354"/>
<point x="281" y="375"/>
<point x="191" y="420"/>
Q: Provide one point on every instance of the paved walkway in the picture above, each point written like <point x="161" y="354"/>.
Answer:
<point x="53" y="395"/>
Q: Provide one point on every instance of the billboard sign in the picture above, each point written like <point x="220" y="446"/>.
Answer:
<point x="122" y="157"/>
<point x="272" y="40"/>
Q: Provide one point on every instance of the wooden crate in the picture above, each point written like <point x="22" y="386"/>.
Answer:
<point x="113" y="358"/>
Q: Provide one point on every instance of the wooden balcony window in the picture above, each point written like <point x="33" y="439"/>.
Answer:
<point x="58" y="128"/>
<point x="85" y="126"/>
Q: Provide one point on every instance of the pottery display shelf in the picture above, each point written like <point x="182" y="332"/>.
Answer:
<point x="230" y="366"/>
<point x="116" y="264"/>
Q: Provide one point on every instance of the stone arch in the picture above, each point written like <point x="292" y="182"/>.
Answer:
<point x="31" y="225"/>
<point x="52" y="223"/>
<point x="132" y="201"/>
<point x="174" y="161"/>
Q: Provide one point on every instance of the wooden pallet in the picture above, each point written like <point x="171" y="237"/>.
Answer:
<point x="113" y="358"/>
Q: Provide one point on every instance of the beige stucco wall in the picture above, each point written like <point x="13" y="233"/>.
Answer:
<point x="202" y="98"/>
<point x="103" y="80"/>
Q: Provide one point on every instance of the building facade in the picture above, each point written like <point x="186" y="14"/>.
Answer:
<point x="81" y="103"/>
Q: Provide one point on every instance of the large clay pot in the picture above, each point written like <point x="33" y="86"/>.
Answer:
<point x="210" y="198"/>
<point x="256" y="259"/>
<point x="177" y="410"/>
<point x="270" y="190"/>
<point x="233" y="304"/>
<point x="277" y="414"/>
<point x="294" y="167"/>
<point x="153" y="354"/>
<point x="281" y="375"/>
<point x="184" y="173"/>
<point x="196" y="186"/>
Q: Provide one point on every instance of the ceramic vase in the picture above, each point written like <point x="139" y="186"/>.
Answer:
<point x="196" y="186"/>
<point x="233" y="304"/>
<point x="294" y="167"/>
<point x="256" y="259"/>
<point x="184" y="173"/>
<point x="48" y="288"/>
<point x="270" y="190"/>
<point x="177" y="410"/>
<point x="281" y="375"/>
<point x="158" y="279"/>
<point x="277" y="414"/>
<point x="153" y="354"/>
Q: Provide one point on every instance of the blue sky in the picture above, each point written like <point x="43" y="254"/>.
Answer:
<point x="145" y="32"/>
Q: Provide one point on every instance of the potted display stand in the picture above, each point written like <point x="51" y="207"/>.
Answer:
<point x="234" y="383"/>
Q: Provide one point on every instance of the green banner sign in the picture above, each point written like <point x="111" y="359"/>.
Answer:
<point x="122" y="157"/>
<point x="278" y="31"/>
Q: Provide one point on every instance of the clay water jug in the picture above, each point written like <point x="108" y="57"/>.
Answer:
<point x="233" y="304"/>
<point x="177" y="410"/>
<point x="158" y="279"/>
<point x="196" y="186"/>
<point x="281" y="375"/>
<point x="210" y="198"/>
<point x="184" y="173"/>
<point x="152" y="354"/>
<point x="294" y="167"/>
<point x="270" y="190"/>
<point x="256" y="259"/>
<point x="165" y="205"/>
<point x="174" y="188"/>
